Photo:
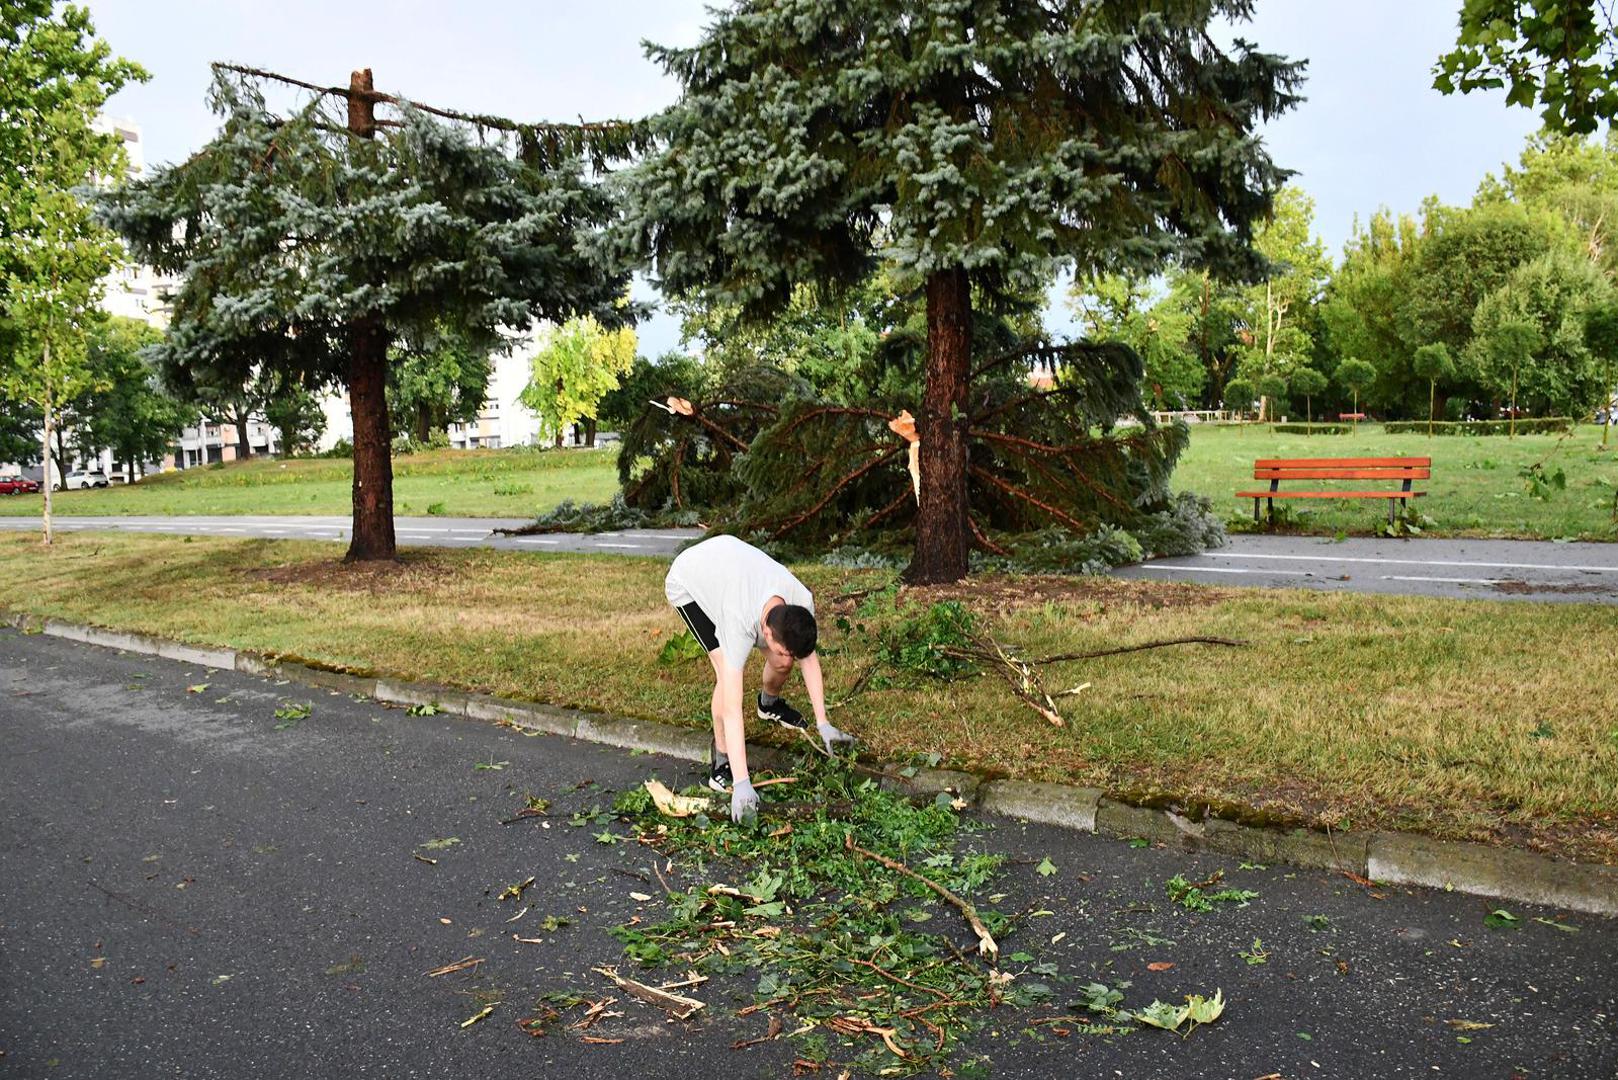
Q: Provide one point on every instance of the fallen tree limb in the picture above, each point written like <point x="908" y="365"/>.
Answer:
<point x="986" y="943"/>
<point x="1058" y="658"/>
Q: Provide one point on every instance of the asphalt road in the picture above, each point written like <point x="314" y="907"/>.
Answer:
<point x="409" y="531"/>
<point x="1498" y="569"/>
<point x="193" y="888"/>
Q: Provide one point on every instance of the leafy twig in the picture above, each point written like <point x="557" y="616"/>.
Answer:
<point x="986" y="943"/>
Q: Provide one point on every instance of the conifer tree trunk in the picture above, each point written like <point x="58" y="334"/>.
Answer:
<point x="372" y="537"/>
<point x="373" y="462"/>
<point x="943" y="536"/>
<point x="244" y="445"/>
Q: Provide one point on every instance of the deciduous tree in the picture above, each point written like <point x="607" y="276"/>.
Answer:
<point x="578" y="363"/>
<point x="55" y="75"/>
<point x="1561" y="57"/>
<point x="1432" y="362"/>
<point x="1308" y="382"/>
<point x="1356" y="376"/>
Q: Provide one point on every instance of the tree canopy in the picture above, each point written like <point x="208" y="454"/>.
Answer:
<point x="1561" y="57"/>
<point x="55" y="75"/>
<point x="312" y="241"/>
<point x="965" y="149"/>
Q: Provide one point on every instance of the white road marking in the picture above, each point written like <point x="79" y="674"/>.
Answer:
<point x="620" y="545"/>
<point x="532" y="540"/>
<point x="1446" y="580"/>
<point x="1221" y="570"/>
<point x="1412" y="562"/>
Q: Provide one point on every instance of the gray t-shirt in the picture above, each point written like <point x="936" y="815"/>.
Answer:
<point x="731" y="580"/>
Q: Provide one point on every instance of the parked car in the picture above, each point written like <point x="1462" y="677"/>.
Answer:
<point x="18" y="485"/>
<point x="81" y="478"/>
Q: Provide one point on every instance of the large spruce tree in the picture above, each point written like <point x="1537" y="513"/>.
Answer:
<point x="969" y="147"/>
<point x="317" y="242"/>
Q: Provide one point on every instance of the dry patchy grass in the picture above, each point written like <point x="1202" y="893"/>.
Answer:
<point x="1478" y="719"/>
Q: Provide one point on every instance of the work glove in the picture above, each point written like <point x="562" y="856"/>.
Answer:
<point x="743" y="799"/>
<point x="831" y="738"/>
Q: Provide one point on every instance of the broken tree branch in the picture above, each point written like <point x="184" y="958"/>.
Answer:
<point x="986" y="943"/>
<point x="1058" y="658"/>
<point x="675" y="1005"/>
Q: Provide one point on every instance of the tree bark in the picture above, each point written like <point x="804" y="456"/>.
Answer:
<point x="373" y="460"/>
<point x="424" y="422"/>
<point x="244" y="445"/>
<point x="590" y="431"/>
<point x="561" y="429"/>
<point x="372" y="537"/>
<point x="943" y="532"/>
<point x="61" y="455"/>
<point x="46" y="486"/>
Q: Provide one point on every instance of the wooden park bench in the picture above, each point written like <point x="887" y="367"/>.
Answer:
<point x="1404" y="470"/>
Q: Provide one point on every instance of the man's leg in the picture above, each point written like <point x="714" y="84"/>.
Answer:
<point x="775" y="674"/>
<point x="771" y="705"/>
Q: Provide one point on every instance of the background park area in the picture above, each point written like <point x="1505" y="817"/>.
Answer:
<point x="347" y="721"/>
<point x="1490" y="486"/>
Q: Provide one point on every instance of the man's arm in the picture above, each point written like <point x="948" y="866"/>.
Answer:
<point x="730" y="691"/>
<point x="815" y="685"/>
<point x="743" y="799"/>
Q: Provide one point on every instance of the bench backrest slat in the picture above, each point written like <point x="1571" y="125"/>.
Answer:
<point x="1344" y="463"/>
<point x="1342" y="469"/>
<point x="1342" y="474"/>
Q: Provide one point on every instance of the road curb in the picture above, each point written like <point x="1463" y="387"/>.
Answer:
<point x="1395" y="858"/>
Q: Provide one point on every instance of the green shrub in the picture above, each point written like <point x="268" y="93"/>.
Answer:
<point x="342" y="448"/>
<point x="1543" y="425"/>
<point x="1312" y="429"/>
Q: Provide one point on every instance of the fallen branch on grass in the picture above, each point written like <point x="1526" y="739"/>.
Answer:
<point x="986" y="943"/>
<point x="1061" y="657"/>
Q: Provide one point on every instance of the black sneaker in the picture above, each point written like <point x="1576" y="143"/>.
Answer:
<point x="719" y="775"/>
<point x="782" y="714"/>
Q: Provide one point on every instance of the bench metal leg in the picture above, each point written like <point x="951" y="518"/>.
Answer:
<point x="1269" y="505"/>
<point x="1255" y="509"/>
<point x="1392" y="503"/>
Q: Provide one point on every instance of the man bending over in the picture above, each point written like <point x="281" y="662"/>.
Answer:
<point x="735" y="598"/>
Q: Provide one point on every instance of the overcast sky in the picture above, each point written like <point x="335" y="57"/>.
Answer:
<point x="1372" y="133"/>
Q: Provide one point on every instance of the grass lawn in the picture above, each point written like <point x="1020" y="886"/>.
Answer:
<point x="1476" y="719"/>
<point x="457" y="483"/>
<point x="1476" y="489"/>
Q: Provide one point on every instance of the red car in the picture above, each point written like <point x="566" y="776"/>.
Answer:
<point x="18" y="485"/>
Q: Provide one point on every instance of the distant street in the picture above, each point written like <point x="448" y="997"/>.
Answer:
<point x="196" y="888"/>
<point x="1493" y="569"/>
<point x="410" y="531"/>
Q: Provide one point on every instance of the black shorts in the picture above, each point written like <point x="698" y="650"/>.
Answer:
<point x="702" y="627"/>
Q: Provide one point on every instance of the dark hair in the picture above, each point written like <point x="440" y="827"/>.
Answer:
<point x="794" y="627"/>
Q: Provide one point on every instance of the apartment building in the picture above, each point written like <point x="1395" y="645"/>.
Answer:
<point x="503" y="421"/>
